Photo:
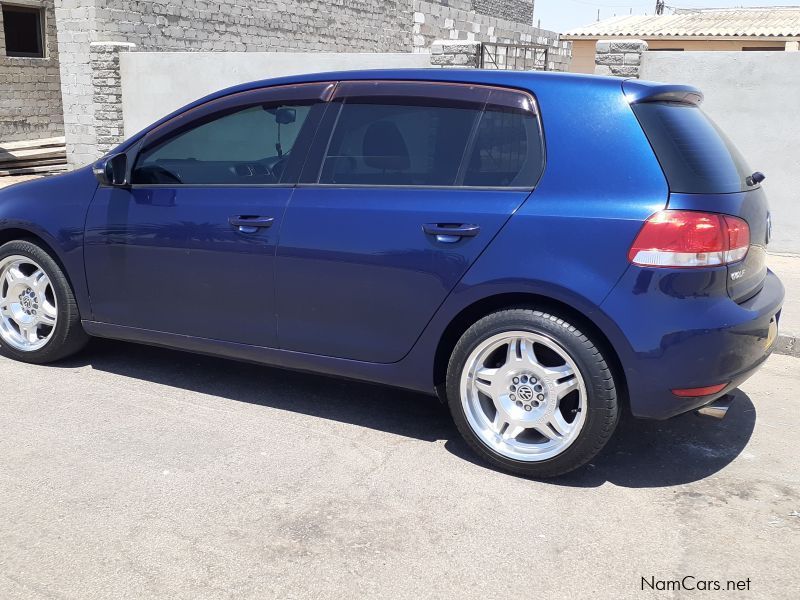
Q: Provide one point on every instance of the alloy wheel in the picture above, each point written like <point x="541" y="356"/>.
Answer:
<point x="28" y="305"/>
<point x="523" y="396"/>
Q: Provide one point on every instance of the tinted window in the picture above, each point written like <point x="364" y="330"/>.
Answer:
<point x="398" y="144"/>
<point x="249" y="146"/>
<point x="697" y="157"/>
<point x="508" y="149"/>
<point x="404" y="133"/>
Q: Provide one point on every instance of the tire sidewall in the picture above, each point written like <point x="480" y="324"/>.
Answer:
<point x="66" y="313"/>
<point x="601" y="403"/>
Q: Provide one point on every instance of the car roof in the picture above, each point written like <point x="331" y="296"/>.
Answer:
<point x="525" y="80"/>
<point x="521" y="79"/>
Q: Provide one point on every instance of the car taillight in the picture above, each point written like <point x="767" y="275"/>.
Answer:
<point x="699" y="392"/>
<point x="685" y="238"/>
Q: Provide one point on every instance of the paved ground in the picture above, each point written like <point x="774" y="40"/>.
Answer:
<point x="788" y="269"/>
<point x="136" y="472"/>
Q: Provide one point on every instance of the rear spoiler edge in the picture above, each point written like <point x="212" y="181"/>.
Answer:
<point x="638" y="92"/>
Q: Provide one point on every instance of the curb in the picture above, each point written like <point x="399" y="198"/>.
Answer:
<point x="788" y="345"/>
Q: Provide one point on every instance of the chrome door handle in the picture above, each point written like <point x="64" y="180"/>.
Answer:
<point x="247" y="224"/>
<point x="450" y="233"/>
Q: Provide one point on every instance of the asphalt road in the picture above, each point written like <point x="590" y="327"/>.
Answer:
<point x="133" y="472"/>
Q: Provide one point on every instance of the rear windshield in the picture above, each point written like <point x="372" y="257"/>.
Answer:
<point x="697" y="157"/>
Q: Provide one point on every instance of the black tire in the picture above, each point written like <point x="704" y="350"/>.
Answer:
<point x="603" y="409"/>
<point x="68" y="335"/>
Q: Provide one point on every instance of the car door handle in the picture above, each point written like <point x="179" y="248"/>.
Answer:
<point x="450" y="233"/>
<point x="246" y="224"/>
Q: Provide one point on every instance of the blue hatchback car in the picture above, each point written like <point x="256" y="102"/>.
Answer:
<point x="540" y="250"/>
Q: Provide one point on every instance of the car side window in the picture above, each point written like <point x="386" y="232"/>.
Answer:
<point x="508" y="149"/>
<point x="431" y="134"/>
<point x="247" y="146"/>
<point x="389" y="141"/>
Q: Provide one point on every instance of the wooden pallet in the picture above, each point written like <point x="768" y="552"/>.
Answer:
<point x="60" y="168"/>
<point x="48" y="155"/>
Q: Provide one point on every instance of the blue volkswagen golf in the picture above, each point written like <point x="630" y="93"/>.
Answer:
<point x="540" y="250"/>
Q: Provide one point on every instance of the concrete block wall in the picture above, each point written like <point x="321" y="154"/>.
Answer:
<point x="76" y="21"/>
<point x="458" y="20"/>
<point x="455" y="53"/>
<point x="520" y="11"/>
<point x="258" y="25"/>
<point x="107" y="92"/>
<point x="620" y="58"/>
<point x="30" y="102"/>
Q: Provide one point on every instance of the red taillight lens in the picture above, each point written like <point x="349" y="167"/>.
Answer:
<point x="738" y="238"/>
<point x="699" y="392"/>
<point x="684" y="238"/>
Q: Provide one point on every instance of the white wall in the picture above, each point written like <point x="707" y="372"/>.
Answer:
<point x="755" y="98"/>
<point x="156" y="83"/>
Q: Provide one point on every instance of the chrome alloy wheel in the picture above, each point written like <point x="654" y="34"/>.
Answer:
<point x="523" y="396"/>
<point x="28" y="306"/>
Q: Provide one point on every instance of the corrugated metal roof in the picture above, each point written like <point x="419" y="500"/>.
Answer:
<point x="734" y="22"/>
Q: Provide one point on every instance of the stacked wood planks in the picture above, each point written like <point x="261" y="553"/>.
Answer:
<point x="48" y="155"/>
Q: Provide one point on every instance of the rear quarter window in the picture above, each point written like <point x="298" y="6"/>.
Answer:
<point x="508" y="150"/>
<point x="696" y="156"/>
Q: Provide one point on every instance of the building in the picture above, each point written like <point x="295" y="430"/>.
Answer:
<point x="30" y="79"/>
<point x="57" y="57"/>
<point x="736" y="29"/>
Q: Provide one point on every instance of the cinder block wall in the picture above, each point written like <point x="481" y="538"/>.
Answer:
<point x="500" y="21"/>
<point x="30" y="89"/>
<point x="520" y="11"/>
<point x="257" y="25"/>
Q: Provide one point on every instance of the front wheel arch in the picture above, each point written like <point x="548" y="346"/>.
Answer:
<point x="481" y="308"/>
<point x="66" y="336"/>
<point x="15" y="234"/>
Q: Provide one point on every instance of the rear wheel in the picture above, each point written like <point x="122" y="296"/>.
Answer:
<point x="531" y="393"/>
<point x="39" y="320"/>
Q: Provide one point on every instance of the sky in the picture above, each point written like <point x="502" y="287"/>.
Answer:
<point x="562" y="15"/>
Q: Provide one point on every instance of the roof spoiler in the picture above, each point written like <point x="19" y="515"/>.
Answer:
<point x="638" y="92"/>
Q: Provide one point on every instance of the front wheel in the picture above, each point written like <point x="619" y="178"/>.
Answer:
<point x="39" y="320"/>
<point x="531" y="393"/>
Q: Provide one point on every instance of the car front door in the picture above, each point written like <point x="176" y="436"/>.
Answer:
<point x="405" y="185"/>
<point x="189" y="247"/>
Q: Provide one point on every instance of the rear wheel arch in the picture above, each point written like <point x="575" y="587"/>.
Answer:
<point x="485" y="306"/>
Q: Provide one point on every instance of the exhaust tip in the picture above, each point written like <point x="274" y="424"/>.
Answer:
<point x="717" y="409"/>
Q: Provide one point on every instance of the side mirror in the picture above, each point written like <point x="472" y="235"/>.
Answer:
<point x="112" y="170"/>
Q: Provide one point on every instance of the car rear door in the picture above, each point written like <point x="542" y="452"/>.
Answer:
<point x="189" y="247"/>
<point x="405" y="185"/>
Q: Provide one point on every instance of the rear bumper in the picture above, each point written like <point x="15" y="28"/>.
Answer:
<point x="684" y="331"/>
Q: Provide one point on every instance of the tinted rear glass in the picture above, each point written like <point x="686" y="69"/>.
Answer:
<point x="697" y="157"/>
